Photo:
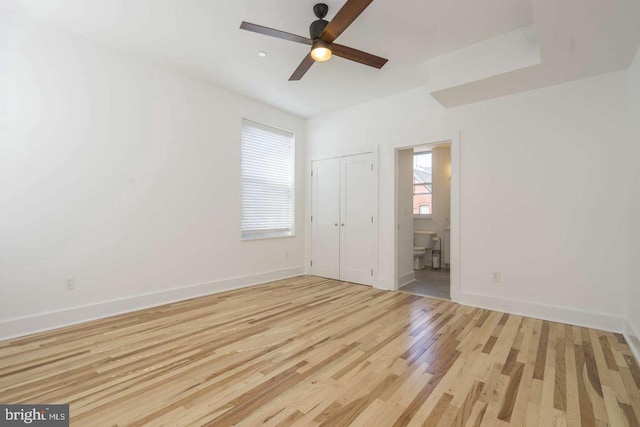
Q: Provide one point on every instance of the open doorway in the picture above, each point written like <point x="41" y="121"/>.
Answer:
<point x="423" y="189"/>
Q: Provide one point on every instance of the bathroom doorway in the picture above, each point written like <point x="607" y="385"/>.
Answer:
<point x="423" y="213"/>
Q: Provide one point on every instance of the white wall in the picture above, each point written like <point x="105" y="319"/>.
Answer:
<point x="543" y="199"/>
<point x="123" y="175"/>
<point x="633" y="328"/>
<point x="405" y="217"/>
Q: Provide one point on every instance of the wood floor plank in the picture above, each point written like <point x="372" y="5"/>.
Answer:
<point x="526" y="357"/>
<point x="571" y="381"/>
<point x="511" y="394"/>
<point x="548" y="381"/>
<point x="538" y="372"/>
<point x="465" y="409"/>
<point x="438" y="411"/>
<point x="309" y="351"/>
<point x="587" y="416"/>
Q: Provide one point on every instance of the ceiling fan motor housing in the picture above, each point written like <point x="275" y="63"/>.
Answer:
<point x="317" y="27"/>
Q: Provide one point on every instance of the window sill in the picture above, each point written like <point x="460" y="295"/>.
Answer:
<point x="266" y="236"/>
<point x="422" y="216"/>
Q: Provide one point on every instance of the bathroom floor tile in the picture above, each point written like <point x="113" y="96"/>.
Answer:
<point x="429" y="282"/>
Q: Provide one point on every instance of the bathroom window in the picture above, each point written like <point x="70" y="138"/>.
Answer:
<point x="422" y="185"/>
<point x="267" y="181"/>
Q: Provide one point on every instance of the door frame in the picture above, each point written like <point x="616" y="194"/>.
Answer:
<point x="454" y="140"/>
<point x="373" y="150"/>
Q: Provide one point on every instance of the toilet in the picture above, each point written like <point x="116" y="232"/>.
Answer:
<point x="422" y="242"/>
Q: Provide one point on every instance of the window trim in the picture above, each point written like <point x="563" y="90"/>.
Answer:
<point x="269" y="234"/>
<point x="424" y="216"/>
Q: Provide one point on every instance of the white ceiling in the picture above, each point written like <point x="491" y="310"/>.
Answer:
<point x="577" y="39"/>
<point x="421" y="38"/>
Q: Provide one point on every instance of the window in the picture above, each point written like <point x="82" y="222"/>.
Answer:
<point x="267" y="181"/>
<point x="422" y="185"/>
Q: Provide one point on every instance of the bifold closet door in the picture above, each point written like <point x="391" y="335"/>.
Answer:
<point x="325" y="218"/>
<point x="356" y="218"/>
<point x="342" y="209"/>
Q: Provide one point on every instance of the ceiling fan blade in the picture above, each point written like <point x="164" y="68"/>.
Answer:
<point x="275" y="33"/>
<point x="352" y="54"/>
<point x="345" y="16"/>
<point x="304" y="66"/>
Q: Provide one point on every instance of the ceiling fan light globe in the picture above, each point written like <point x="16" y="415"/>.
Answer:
<point x="321" y="53"/>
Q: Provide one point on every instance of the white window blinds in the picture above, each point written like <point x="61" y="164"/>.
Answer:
<point x="267" y="181"/>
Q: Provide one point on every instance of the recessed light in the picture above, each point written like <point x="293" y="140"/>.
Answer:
<point x="262" y="54"/>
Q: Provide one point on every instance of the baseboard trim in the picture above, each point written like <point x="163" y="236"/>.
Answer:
<point x="633" y="339"/>
<point x="384" y="284"/>
<point x="21" y="326"/>
<point x="405" y="279"/>
<point x="602" y="321"/>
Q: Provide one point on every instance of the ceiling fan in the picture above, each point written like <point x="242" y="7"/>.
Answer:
<point x="322" y="35"/>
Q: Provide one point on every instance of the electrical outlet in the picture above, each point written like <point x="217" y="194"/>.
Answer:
<point x="496" y="277"/>
<point x="286" y="254"/>
<point x="69" y="284"/>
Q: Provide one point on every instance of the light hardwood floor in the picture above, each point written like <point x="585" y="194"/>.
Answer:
<point x="311" y="351"/>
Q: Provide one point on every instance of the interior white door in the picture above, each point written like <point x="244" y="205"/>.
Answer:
<point x="325" y="218"/>
<point x="356" y="218"/>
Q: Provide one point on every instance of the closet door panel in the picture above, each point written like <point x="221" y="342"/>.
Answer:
<point x="356" y="211"/>
<point x="325" y="226"/>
